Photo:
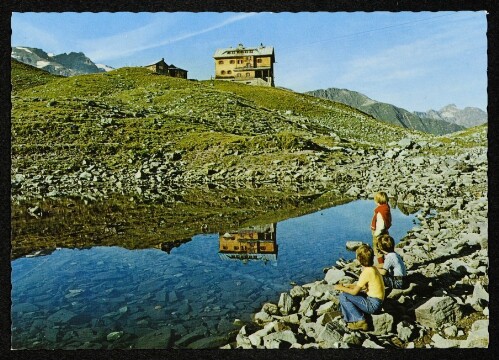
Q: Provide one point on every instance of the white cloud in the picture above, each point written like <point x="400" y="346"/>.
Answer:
<point x="143" y="38"/>
<point x="24" y="33"/>
<point x="408" y="61"/>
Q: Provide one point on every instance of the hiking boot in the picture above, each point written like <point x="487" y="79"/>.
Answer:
<point x="358" y="325"/>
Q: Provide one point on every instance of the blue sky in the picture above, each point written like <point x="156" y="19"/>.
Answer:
<point x="414" y="60"/>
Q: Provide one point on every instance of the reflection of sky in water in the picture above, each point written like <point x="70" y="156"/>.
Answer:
<point x="92" y="283"/>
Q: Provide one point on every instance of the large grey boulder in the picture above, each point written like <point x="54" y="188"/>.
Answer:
<point x="320" y="290"/>
<point x="333" y="276"/>
<point x="438" y="311"/>
<point x="307" y="306"/>
<point x="480" y="294"/>
<point x="368" y="343"/>
<point x="256" y="337"/>
<point x="327" y="307"/>
<point x="291" y="319"/>
<point x="405" y="331"/>
<point x="285" y="303"/>
<point x="275" y="340"/>
<point x="331" y="334"/>
<point x="443" y="343"/>
<point x="298" y="292"/>
<point x="353" y="245"/>
<point x="383" y="324"/>
<point x="311" y="329"/>
<point x="262" y="317"/>
<point x="242" y="340"/>
<point x="271" y="309"/>
<point x="478" y="336"/>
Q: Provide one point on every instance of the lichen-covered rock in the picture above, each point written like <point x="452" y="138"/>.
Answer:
<point x="438" y="311"/>
<point x="383" y="324"/>
<point x="331" y="333"/>
<point x="298" y="292"/>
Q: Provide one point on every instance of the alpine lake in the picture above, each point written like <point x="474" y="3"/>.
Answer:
<point x="187" y="273"/>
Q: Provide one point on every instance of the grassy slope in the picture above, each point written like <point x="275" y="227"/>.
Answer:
<point x="131" y="111"/>
<point x="118" y="115"/>
<point x="26" y="76"/>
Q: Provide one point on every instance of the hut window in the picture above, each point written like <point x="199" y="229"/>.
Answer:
<point x="262" y="247"/>
<point x="232" y="61"/>
<point x="222" y="72"/>
<point x="229" y="72"/>
<point x="239" y="75"/>
<point x="247" y="74"/>
<point x="259" y="61"/>
<point x="220" y="61"/>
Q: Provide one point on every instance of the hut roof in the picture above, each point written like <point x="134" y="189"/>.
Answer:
<point x="244" y="51"/>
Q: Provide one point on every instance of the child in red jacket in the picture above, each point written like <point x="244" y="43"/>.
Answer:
<point x="381" y="221"/>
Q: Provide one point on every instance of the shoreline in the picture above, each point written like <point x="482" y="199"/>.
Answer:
<point x="454" y="282"/>
<point x="446" y="303"/>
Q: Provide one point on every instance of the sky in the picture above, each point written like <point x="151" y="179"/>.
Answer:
<point x="414" y="60"/>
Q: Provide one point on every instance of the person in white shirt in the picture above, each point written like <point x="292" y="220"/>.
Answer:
<point x="393" y="269"/>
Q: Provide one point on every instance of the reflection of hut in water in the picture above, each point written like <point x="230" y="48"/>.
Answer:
<point x="169" y="245"/>
<point x="251" y="243"/>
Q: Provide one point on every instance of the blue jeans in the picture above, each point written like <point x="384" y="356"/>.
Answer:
<point x="394" y="283"/>
<point x="353" y="307"/>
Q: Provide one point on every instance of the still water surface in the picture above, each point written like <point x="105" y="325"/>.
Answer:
<point x="110" y="297"/>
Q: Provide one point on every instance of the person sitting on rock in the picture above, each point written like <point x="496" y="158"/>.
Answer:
<point x="364" y="297"/>
<point x="381" y="221"/>
<point x="393" y="269"/>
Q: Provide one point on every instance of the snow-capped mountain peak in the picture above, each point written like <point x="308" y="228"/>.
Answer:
<point x="74" y="63"/>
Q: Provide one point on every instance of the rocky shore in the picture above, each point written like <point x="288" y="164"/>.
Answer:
<point x="446" y="303"/>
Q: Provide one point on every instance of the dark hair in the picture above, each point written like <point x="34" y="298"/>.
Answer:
<point x="386" y="243"/>
<point x="365" y="255"/>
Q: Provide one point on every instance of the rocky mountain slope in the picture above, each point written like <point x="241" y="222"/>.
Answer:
<point x="389" y="113"/>
<point x="467" y="117"/>
<point x="133" y="122"/>
<point x="74" y="63"/>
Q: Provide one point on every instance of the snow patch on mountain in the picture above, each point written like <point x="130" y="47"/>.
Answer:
<point x="42" y="63"/>
<point x="25" y="49"/>
<point x="104" y="67"/>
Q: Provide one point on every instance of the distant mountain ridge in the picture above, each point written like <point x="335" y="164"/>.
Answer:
<point x="74" y="63"/>
<point x="468" y="117"/>
<point x="438" y="123"/>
